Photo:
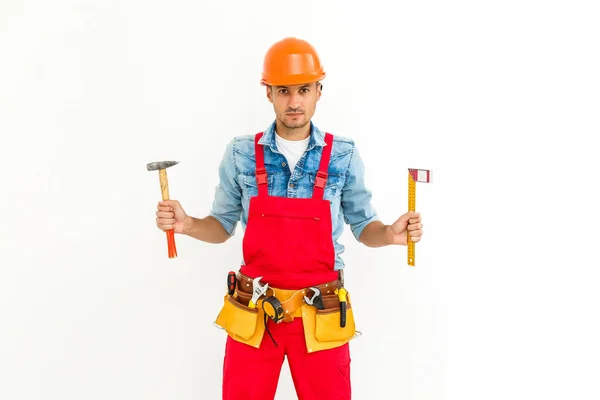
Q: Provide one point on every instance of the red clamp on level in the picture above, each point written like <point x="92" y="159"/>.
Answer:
<point x="321" y="179"/>
<point x="261" y="176"/>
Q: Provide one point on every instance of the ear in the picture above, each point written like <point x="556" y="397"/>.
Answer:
<point x="319" y="88"/>
<point x="270" y="93"/>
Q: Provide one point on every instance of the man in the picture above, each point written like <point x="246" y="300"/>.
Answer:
<point x="292" y="187"/>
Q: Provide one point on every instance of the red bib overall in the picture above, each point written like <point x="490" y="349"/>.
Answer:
<point x="288" y="241"/>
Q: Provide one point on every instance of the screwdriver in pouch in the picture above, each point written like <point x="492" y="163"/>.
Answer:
<point x="231" y="281"/>
<point x="341" y="292"/>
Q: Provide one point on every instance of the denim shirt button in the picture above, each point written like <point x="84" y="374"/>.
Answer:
<point x="292" y="185"/>
<point x="283" y="164"/>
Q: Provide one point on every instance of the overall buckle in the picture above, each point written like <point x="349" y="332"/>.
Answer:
<point x="320" y="179"/>
<point x="261" y="176"/>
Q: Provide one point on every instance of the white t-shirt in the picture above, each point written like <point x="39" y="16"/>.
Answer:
<point x="291" y="149"/>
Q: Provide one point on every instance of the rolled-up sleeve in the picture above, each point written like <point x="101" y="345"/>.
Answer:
<point x="227" y="205"/>
<point x="356" y="197"/>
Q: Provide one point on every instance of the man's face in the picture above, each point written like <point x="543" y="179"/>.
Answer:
<point x="294" y="105"/>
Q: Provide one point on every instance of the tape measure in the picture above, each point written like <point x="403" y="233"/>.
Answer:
<point x="273" y="309"/>
<point x="414" y="176"/>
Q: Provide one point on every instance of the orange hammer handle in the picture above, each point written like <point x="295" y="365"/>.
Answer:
<point x="164" y="188"/>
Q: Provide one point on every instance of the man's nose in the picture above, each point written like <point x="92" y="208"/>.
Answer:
<point x="295" y="101"/>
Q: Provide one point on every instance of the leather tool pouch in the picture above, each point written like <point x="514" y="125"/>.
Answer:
<point x="243" y="298"/>
<point x="322" y="327"/>
<point x="327" y="321"/>
<point x="238" y="319"/>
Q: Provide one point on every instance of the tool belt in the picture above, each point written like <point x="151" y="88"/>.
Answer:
<point x="327" y="326"/>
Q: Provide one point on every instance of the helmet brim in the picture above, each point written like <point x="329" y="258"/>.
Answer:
<point x="301" y="79"/>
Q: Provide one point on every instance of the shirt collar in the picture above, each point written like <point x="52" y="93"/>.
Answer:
<point x="317" y="137"/>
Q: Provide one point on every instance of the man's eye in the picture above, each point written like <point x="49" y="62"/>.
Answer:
<point x="282" y="91"/>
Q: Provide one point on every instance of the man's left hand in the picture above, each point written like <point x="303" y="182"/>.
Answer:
<point x="409" y="223"/>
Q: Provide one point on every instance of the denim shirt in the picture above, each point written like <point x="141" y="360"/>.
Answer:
<point x="345" y="189"/>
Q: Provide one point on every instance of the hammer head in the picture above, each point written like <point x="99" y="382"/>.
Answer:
<point x="157" y="165"/>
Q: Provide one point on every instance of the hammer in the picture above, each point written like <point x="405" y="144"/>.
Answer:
<point x="162" y="166"/>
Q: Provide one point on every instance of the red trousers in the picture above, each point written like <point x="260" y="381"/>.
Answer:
<point x="252" y="374"/>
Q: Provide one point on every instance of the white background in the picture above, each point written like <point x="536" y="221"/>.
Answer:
<point x="499" y="99"/>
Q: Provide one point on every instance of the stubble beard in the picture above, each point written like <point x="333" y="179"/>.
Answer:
<point x="294" y="125"/>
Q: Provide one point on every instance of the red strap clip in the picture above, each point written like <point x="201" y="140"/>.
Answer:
<point x="320" y="179"/>
<point x="261" y="176"/>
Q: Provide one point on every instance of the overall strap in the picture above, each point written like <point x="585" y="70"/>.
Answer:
<point x="321" y="177"/>
<point x="261" y="172"/>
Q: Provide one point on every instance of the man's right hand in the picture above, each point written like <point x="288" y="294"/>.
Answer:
<point x="170" y="215"/>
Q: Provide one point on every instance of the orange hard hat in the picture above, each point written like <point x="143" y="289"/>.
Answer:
<point x="291" y="61"/>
